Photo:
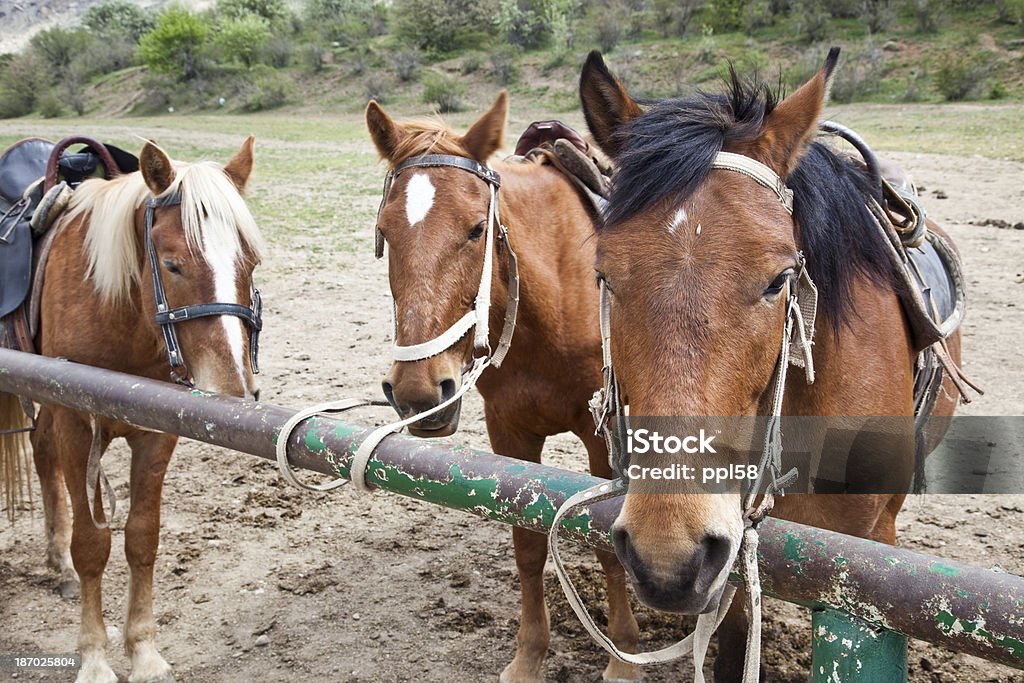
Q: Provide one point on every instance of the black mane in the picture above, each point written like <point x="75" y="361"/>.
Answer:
<point x="667" y="152"/>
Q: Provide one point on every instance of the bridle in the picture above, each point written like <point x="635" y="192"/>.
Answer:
<point x="167" y="317"/>
<point x="608" y="409"/>
<point x="496" y="234"/>
<point x="495" y="239"/>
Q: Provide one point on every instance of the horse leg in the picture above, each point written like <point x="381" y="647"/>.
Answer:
<point x="622" y="626"/>
<point x="732" y="642"/>
<point x="90" y="547"/>
<point x="885" y="527"/>
<point x="55" y="509"/>
<point x="531" y="553"/>
<point x="151" y="452"/>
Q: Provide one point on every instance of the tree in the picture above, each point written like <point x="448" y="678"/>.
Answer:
<point x="175" y="45"/>
<point x="441" y="26"/>
<point x="118" y="19"/>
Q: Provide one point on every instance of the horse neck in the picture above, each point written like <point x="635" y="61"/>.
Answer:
<point x="85" y="327"/>
<point x="549" y="229"/>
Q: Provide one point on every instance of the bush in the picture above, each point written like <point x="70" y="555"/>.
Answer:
<point x="859" y="76"/>
<point x="915" y="90"/>
<point x="877" y="15"/>
<point x="50" y="105"/>
<point x="118" y="19"/>
<point x="960" y="76"/>
<point x="406" y="63"/>
<point x="22" y="78"/>
<point x="811" y="19"/>
<point x="757" y="15"/>
<point x="725" y="15"/>
<point x="1010" y="11"/>
<point x="175" y="45"/>
<point x="503" y="66"/>
<point x="672" y="17"/>
<point x="609" y="22"/>
<point x="929" y="15"/>
<point x="470" y="63"/>
<point x="276" y="12"/>
<point x="530" y="24"/>
<point x="59" y="47"/>
<point x="243" y="40"/>
<point x="443" y="91"/>
<point x="376" y="88"/>
<point x="268" y="90"/>
<point x="444" y="26"/>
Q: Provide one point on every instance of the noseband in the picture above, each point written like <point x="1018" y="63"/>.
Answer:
<point x="167" y="317"/>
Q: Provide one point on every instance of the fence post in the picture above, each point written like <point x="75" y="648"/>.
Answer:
<point x="845" y="649"/>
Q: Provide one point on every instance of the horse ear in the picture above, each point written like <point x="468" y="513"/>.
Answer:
<point x="157" y="169"/>
<point x="606" y="104"/>
<point x="487" y="135"/>
<point x="240" y="167"/>
<point x="794" y="122"/>
<point x="385" y="133"/>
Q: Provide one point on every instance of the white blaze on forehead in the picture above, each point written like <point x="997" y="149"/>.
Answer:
<point x="677" y="220"/>
<point x="419" y="197"/>
<point x="222" y="256"/>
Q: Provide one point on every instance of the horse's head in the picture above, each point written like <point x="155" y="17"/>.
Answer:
<point x="203" y="243"/>
<point x="698" y="260"/>
<point x="434" y="220"/>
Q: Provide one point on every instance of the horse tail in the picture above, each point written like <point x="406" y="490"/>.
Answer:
<point x="15" y="466"/>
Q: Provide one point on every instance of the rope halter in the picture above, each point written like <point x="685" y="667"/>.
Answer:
<point x="607" y="408"/>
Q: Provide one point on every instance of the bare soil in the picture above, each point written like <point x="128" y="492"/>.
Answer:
<point x="353" y="587"/>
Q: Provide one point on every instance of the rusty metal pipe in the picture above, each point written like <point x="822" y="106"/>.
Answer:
<point x="954" y="605"/>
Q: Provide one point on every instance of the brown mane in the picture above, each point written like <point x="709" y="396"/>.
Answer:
<point x="426" y="135"/>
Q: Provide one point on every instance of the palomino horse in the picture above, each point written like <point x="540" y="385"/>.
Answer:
<point x="434" y="218"/>
<point x="700" y="256"/>
<point x="100" y="307"/>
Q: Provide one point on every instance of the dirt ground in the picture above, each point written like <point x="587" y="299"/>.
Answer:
<point x="352" y="587"/>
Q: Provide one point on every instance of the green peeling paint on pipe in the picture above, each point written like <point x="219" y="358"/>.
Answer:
<point x="950" y="624"/>
<point x="793" y="551"/>
<point x="845" y="648"/>
<point x="943" y="569"/>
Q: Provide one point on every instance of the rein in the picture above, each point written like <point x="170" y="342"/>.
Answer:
<point x="495" y="237"/>
<point x="797" y="335"/>
<point x="167" y="317"/>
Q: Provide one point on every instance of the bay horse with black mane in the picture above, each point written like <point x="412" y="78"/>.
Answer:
<point x="436" y="218"/>
<point x="701" y="251"/>
<point x="104" y="305"/>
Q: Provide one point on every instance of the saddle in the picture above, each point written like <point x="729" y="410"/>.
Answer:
<point x="556" y="144"/>
<point x="36" y="180"/>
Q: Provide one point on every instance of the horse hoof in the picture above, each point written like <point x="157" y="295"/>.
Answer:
<point x="68" y="589"/>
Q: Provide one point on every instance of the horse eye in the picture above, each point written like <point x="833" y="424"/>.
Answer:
<point x="172" y="267"/>
<point x="477" y="232"/>
<point x="778" y="283"/>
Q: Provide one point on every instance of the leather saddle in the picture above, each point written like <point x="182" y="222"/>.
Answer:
<point x="36" y="177"/>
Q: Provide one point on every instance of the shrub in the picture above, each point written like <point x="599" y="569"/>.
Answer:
<point x="118" y="19"/>
<point x="22" y="78"/>
<point x="503" y="66"/>
<point x="59" y="47"/>
<point x="276" y="12"/>
<point x="859" y="76"/>
<point x="443" y="91"/>
<point x="376" y="88"/>
<point x="877" y="15"/>
<point x="757" y="15"/>
<point x="960" y="76"/>
<point x="1010" y="11"/>
<point x="811" y="19"/>
<point x="725" y="15"/>
<point x="175" y="45"/>
<point x="470" y="63"/>
<point x="531" y="24"/>
<point x="609" y="22"/>
<point x="406" y="63"/>
<point x="929" y="15"/>
<point x="268" y="90"/>
<point x="50" y="105"/>
<point x="314" y="57"/>
<point x="443" y="26"/>
<point x="915" y="90"/>
<point x="672" y="17"/>
<point x="243" y="40"/>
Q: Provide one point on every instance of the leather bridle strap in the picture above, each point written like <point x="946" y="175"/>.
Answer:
<point x="167" y="317"/>
<point x="756" y="170"/>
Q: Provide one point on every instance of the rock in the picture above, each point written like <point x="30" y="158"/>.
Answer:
<point x="262" y="641"/>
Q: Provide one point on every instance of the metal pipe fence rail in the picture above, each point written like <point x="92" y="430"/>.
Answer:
<point x="889" y="591"/>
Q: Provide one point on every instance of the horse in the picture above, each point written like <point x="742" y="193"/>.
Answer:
<point x="131" y="257"/>
<point x="434" y="220"/>
<point x="701" y="255"/>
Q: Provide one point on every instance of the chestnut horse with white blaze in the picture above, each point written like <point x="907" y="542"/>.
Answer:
<point x="699" y="255"/>
<point x="102" y="305"/>
<point x="434" y="219"/>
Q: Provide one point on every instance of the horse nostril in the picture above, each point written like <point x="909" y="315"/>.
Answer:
<point x="716" y="552"/>
<point x="622" y="544"/>
<point x="389" y="393"/>
<point x="447" y="389"/>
